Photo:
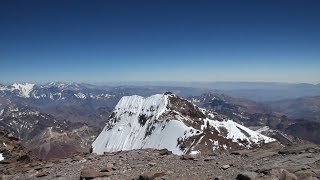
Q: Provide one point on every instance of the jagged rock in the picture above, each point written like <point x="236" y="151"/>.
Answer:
<point x="49" y="165"/>
<point x="12" y="137"/>
<point x="151" y="164"/>
<point x="209" y="159"/>
<point x="247" y="176"/>
<point x="225" y="167"/>
<point x="164" y="152"/>
<point x="235" y="153"/>
<point x="108" y="168"/>
<point x="42" y="174"/>
<point x="37" y="168"/>
<point x="89" y="173"/>
<point x="188" y="157"/>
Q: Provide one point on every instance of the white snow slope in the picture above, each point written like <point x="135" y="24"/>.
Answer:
<point x="128" y="133"/>
<point x="24" y="88"/>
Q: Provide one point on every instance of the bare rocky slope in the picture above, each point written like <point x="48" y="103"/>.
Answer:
<point x="270" y="162"/>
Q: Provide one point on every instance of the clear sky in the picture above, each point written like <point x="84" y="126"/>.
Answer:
<point x="160" y="40"/>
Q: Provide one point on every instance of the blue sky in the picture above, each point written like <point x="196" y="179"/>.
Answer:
<point x="160" y="40"/>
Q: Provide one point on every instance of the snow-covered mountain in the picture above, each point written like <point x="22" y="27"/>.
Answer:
<point x="53" y="91"/>
<point x="168" y="121"/>
<point x="18" y="89"/>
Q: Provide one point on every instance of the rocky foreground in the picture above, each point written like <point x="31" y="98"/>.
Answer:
<point x="276" y="162"/>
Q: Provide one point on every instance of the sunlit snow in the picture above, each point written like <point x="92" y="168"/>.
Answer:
<point x="24" y="88"/>
<point x="127" y="133"/>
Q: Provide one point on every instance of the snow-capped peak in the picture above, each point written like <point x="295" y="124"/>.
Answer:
<point x="24" y="88"/>
<point x="167" y="121"/>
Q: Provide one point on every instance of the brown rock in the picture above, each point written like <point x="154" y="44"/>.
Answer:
<point x="283" y="174"/>
<point x="108" y="168"/>
<point x="89" y="173"/>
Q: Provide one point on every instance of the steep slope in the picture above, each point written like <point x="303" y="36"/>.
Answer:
<point x="167" y="121"/>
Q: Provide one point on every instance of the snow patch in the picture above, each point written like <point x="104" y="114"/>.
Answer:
<point x="1" y="157"/>
<point x="235" y="131"/>
<point x="24" y="89"/>
<point x="80" y="95"/>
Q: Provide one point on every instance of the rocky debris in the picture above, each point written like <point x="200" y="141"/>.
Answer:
<point x="293" y="149"/>
<point x="259" y="164"/>
<point x="280" y="174"/>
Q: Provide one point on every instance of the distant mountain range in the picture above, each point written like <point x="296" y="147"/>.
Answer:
<point x="47" y="118"/>
<point x="261" y="117"/>
<point x="304" y="107"/>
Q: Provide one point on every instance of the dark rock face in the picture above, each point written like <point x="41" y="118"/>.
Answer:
<point x="143" y="119"/>
<point x="185" y="107"/>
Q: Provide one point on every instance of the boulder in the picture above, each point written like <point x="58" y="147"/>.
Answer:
<point x="150" y="175"/>
<point x="89" y="173"/>
<point x="225" y="167"/>
<point x="247" y="176"/>
<point x="108" y="168"/>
